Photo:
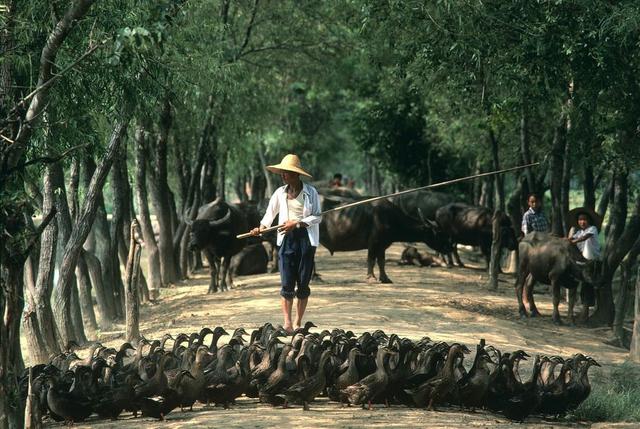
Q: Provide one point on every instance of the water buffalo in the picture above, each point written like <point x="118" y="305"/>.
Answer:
<point x="412" y="256"/>
<point x="423" y="204"/>
<point x="214" y="233"/>
<point x="472" y="225"/>
<point x="251" y="260"/>
<point x="375" y="226"/>
<point x="270" y="238"/>
<point x="553" y="261"/>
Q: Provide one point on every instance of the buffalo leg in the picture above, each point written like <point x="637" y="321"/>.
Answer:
<point x="274" y="258"/>
<point x="381" y="261"/>
<point x="213" y="284"/>
<point x="315" y="277"/>
<point x="443" y="258"/>
<point x="572" y="302"/>
<point x="371" y="260"/>
<point x="530" y="283"/>
<point x="449" y="259"/>
<point x="520" y="280"/>
<point x="456" y="257"/>
<point x="226" y="261"/>
<point x="556" y="302"/>
<point x="485" y="249"/>
<point x="230" y="275"/>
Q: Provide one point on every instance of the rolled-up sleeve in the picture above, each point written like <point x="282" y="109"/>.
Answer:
<point x="314" y="218"/>
<point x="272" y="211"/>
<point x="525" y="223"/>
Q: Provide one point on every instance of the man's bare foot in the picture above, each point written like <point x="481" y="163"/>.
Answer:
<point x="288" y="329"/>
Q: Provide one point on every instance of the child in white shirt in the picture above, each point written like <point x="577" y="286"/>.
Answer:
<point x="586" y="237"/>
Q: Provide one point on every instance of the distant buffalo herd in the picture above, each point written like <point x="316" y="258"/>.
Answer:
<point x="433" y="218"/>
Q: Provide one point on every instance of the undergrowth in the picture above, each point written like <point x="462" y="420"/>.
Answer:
<point x="614" y="397"/>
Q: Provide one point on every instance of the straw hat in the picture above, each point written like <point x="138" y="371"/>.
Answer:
<point x="290" y="162"/>
<point x="594" y="218"/>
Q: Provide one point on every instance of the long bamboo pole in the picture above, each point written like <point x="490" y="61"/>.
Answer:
<point x="408" y="191"/>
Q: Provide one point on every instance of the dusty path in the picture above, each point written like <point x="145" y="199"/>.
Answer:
<point x="445" y="304"/>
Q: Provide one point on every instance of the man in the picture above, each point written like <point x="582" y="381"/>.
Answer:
<point x="533" y="219"/>
<point x="297" y="206"/>
<point x="336" y="182"/>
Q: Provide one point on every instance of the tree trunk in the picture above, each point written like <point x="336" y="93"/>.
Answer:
<point x="494" y="262"/>
<point x="620" y="239"/>
<point x="557" y="155"/>
<point x="222" y="174"/>
<point x="65" y="226"/>
<point x="74" y="184"/>
<point x="184" y="174"/>
<point x="566" y="184"/>
<point x="131" y="285"/>
<point x="102" y="240"/>
<point x="192" y="200"/>
<point x="95" y="273"/>
<point x="84" y="289"/>
<point x="39" y="325"/>
<point x="486" y="193"/>
<point x="589" y="187"/>
<point x="498" y="179"/>
<point x="82" y="272"/>
<point x="11" y="363"/>
<point x="525" y="151"/>
<point x="477" y="183"/>
<point x="514" y="204"/>
<point x="160" y="199"/>
<point x="208" y="188"/>
<point x="76" y="314"/>
<point x="32" y="417"/>
<point x="603" y="205"/>
<point x="258" y="185"/>
<point x="73" y="247"/>
<point x="265" y="172"/>
<point x="118" y="214"/>
<point x="239" y="185"/>
<point x="634" y="353"/>
<point x="30" y="327"/>
<point x="625" y="291"/>
<point x="150" y="245"/>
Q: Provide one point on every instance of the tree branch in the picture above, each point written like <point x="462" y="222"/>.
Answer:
<point x="247" y="35"/>
<point x="281" y="46"/>
<point x="48" y="159"/>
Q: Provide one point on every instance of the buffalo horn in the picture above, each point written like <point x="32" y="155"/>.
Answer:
<point x="425" y="221"/>
<point x="222" y="220"/>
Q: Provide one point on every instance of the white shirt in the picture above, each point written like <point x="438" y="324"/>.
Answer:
<point x="295" y="207"/>
<point x="310" y="212"/>
<point x="590" y="248"/>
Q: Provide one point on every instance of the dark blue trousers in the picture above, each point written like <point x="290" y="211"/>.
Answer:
<point x="296" y="264"/>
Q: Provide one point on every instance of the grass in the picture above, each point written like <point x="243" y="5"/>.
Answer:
<point x="614" y="397"/>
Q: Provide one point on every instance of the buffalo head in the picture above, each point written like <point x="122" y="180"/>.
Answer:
<point x="508" y="238"/>
<point x="203" y="231"/>
<point x="434" y="236"/>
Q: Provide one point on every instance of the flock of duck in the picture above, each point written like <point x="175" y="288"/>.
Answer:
<point x="281" y="370"/>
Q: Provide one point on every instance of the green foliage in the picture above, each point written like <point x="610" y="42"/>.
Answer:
<point x="417" y="88"/>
